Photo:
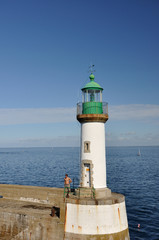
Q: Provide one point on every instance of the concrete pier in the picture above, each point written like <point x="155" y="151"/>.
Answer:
<point x="25" y="214"/>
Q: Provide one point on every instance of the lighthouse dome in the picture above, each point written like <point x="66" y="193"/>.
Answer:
<point x="92" y="84"/>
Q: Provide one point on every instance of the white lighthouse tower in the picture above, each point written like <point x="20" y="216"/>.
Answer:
<point x="92" y="113"/>
<point x="94" y="212"/>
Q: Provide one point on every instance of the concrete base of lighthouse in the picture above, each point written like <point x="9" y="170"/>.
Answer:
<point x="102" y="193"/>
<point x="92" y="219"/>
<point x="124" y="235"/>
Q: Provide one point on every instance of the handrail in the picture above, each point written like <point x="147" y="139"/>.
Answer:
<point x="93" y="192"/>
<point x="78" y="193"/>
<point x="80" y="107"/>
<point x="81" y="193"/>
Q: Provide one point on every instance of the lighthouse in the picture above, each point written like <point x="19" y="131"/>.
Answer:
<point x="94" y="212"/>
<point x="92" y="113"/>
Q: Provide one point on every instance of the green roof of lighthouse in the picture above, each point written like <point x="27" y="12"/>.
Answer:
<point x="92" y="84"/>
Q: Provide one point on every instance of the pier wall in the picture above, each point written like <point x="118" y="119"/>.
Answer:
<point x="25" y="213"/>
<point x="32" y="193"/>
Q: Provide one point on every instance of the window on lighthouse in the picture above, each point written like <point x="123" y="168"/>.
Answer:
<point x="87" y="146"/>
<point x="92" y="97"/>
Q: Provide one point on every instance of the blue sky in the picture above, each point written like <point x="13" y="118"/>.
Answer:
<point x="46" y="48"/>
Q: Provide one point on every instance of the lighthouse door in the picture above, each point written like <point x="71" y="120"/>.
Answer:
<point x="87" y="175"/>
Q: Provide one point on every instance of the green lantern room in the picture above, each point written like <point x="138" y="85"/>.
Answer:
<point x="92" y="97"/>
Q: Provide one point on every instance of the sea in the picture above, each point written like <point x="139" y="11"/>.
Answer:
<point x="137" y="177"/>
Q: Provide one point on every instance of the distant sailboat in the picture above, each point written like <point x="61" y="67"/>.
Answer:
<point x="139" y="153"/>
<point x="52" y="149"/>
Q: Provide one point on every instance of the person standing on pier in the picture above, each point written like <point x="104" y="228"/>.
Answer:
<point x="67" y="182"/>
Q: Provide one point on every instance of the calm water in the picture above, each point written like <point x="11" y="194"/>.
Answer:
<point x="137" y="177"/>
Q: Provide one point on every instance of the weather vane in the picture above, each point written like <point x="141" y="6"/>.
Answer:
<point x="91" y="68"/>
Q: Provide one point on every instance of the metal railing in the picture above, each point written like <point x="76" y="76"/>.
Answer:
<point x="80" y="108"/>
<point x="86" y="193"/>
<point x="79" y="193"/>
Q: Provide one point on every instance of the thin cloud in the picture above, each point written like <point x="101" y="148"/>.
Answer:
<point x="36" y="115"/>
<point x="134" y="112"/>
<point x="147" y="139"/>
<point x="52" y="115"/>
<point x="62" y="141"/>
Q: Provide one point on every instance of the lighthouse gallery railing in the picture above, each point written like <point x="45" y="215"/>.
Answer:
<point x="91" y="107"/>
